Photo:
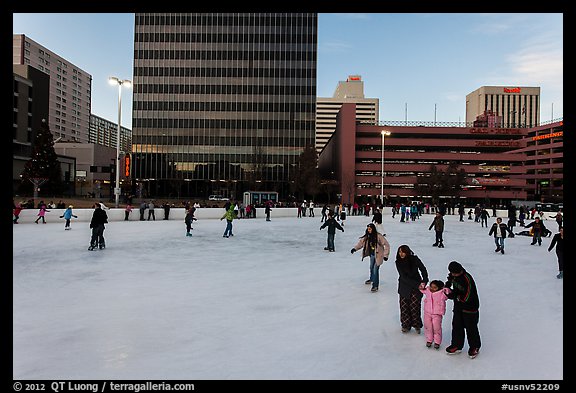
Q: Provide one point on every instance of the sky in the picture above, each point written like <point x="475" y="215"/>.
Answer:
<point x="420" y="66"/>
<point x="269" y="303"/>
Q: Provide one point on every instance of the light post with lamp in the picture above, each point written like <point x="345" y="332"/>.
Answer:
<point x="384" y="134"/>
<point x="116" y="81"/>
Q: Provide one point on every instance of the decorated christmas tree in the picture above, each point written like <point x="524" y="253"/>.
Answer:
<point x="42" y="173"/>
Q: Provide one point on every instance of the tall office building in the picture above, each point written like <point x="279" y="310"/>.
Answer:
<point x="223" y="102"/>
<point x="351" y="90"/>
<point x="105" y="132"/>
<point x="70" y="88"/>
<point x="518" y="107"/>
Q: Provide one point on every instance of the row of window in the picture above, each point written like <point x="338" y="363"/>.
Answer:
<point x="243" y="37"/>
<point x="225" y="72"/>
<point x="223" y="106"/>
<point x="199" y="141"/>
<point x="244" y="19"/>
<point x="264" y="54"/>
<point x="169" y="88"/>
<point x="222" y="123"/>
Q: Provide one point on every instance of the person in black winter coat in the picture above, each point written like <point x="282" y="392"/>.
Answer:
<point x="438" y="225"/>
<point x="499" y="230"/>
<point x="466" y="311"/>
<point x="332" y="225"/>
<point x="99" y="218"/>
<point x="411" y="273"/>
<point x="558" y="241"/>
<point x="539" y="230"/>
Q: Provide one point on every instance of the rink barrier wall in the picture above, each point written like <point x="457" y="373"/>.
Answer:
<point x="28" y="216"/>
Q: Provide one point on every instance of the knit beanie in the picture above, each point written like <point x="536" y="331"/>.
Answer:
<point x="455" y="267"/>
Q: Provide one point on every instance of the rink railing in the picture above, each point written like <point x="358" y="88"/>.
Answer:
<point x="28" y="216"/>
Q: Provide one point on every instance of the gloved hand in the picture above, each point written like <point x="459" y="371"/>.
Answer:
<point x="342" y="229"/>
<point x="385" y="258"/>
<point x="352" y="251"/>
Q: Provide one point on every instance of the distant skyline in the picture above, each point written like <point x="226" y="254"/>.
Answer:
<point x="418" y="65"/>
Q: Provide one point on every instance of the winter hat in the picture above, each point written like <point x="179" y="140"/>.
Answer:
<point x="455" y="267"/>
<point x="70" y="206"/>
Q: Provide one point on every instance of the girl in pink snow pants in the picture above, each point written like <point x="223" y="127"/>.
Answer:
<point x="434" y="309"/>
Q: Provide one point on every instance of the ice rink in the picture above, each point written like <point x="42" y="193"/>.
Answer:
<point x="270" y="303"/>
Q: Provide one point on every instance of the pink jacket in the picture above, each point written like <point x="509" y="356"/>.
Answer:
<point x="435" y="302"/>
<point x="382" y="249"/>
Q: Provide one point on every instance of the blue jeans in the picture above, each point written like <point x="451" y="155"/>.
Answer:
<point x="499" y="242"/>
<point x="228" y="230"/>
<point x="331" y="241"/>
<point x="374" y="272"/>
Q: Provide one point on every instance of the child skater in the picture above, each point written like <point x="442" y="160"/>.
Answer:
<point x="332" y="225"/>
<point x="189" y="219"/>
<point x="434" y="310"/>
<point x="42" y="212"/>
<point x="67" y="215"/>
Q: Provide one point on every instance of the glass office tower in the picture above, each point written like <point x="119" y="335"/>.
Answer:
<point x="223" y="102"/>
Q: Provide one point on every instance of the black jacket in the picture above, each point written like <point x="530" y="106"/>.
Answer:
<point x="558" y="242"/>
<point x="99" y="217"/>
<point x="464" y="292"/>
<point x="494" y="230"/>
<point x="332" y="224"/>
<point x="538" y="227"/>
<point x="409" y="277"/>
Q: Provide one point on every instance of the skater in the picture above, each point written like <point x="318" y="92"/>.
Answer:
<point x="466" y="313"/>
<point x="434" y="310"/>
<point x="343" y="216"/>
<point x="376" y="247"/>
<point x="461" y="211"/>
<point x="558" y="217"/>
<point x="484" y="217"/>
<point x="151" y="212"/>
<point x="166" y="207"/>
<point x="438" y="225"/>
<point x="99" y="218"/>
<point x="189" y="219"/>
<point x="470" y="214"/>
<point x="41" y="212"/>
<point x="127" y="211"/>
<point x="411" y="273"/>
<point x="332" y="225"/>
<point x="539" y="230"/>
<point x="229" y="216"/>
<point x="311" y="209"/>
<point x="500" y="230"/>
<point x="16" y="212"/>
<point x="67" y="215"/>
<point x="267" y="210"/>
<point x="377" y="220"/>
<point x="558" y="241"/>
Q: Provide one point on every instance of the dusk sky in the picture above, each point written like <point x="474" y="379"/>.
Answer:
<point x="420" y="66"/>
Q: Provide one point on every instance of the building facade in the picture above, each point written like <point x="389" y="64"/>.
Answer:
<point x="104" y="132"/>
<point x="70" y="88"/>
<point x="354" y="159"/>
<point x="543" y="168"/>
<point x="517" y="107"/>
<point x="222" y="102"/>
<point x="29" y="106"/>
<point x="351" y="90"/>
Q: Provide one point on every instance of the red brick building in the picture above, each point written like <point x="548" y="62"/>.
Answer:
<point x="494" y="160"/>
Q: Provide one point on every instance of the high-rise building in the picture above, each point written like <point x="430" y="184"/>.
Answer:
<point x="70" y="88"/>
<point x="351" y="90"/>
<point x="518" y="107"/>
<point x="223" y="102"/>
<point x="105" y="132"/>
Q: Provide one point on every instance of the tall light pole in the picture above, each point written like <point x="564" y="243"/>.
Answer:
<point x="384" y="134"/>
<point x="116" y="81"/>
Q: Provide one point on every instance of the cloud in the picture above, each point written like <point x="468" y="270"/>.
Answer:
<point x="335" y="47"/>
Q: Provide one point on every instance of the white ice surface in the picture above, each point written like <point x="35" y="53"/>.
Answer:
<point x="269" y="303"/>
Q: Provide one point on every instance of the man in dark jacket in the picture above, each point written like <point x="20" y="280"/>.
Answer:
<point x="499" y="230"/>
<point x="332" y="225"/>
<point x="539" y="230"/>
<point x="99" y="218"/>
<point x="438" y="225"/>
<point x="466" y="312"/>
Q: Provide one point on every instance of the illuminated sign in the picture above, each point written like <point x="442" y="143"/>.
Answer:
<point x="353" y="78"/>
<point x="489" y="181"/>
<point x="494" y="168"/>
<point x="546" y="136"/>
<point x="127" y="165"/>
<point x="512" y="90"/>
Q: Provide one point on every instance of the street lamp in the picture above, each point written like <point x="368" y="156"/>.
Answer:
<point x="384" y="134"/>
<point x="115" y="81"/>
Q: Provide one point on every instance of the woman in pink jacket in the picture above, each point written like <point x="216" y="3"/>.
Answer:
<point x="434" y="310"/>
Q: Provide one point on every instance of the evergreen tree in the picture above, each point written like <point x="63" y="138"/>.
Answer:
<point x="43" y="164"/>
<point x="305" y="178"/>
